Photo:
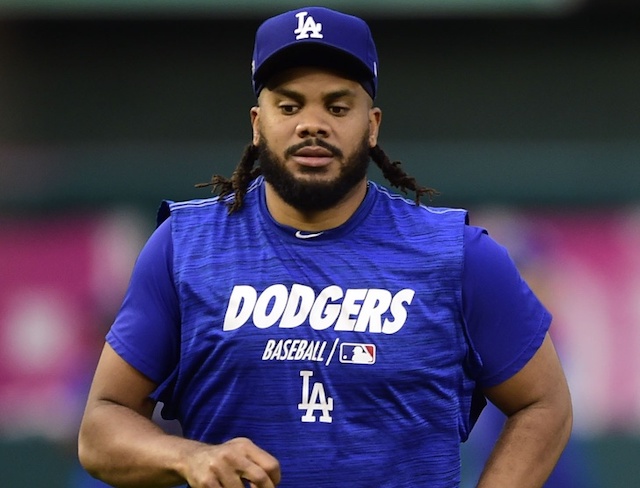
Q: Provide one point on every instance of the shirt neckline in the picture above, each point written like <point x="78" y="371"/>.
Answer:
<point x="301" y="237"/>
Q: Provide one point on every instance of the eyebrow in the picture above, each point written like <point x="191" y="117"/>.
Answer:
<point x="329" y="97"/>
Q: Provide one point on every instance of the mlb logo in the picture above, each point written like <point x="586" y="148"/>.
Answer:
<point x="352" y="353"/>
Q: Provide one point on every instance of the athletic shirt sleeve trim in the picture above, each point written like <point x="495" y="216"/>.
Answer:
<point x="505" y="321"/>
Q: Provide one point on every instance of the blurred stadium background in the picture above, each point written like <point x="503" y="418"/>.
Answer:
<point x="527" y="112"/>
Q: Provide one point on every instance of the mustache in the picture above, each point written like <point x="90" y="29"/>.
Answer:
<point x="314" y="142"/>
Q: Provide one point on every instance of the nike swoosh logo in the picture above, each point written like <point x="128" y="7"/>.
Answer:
<point x="301" y="235"/>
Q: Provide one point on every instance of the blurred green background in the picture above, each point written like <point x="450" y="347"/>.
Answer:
<point x="106" y="107"/>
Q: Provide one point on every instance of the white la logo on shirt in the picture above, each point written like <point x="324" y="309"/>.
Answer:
<point x="314" y="399"/>
<point x="307" y="28"/>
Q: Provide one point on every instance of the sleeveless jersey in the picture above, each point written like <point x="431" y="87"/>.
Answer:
<point x="343" y="353"/>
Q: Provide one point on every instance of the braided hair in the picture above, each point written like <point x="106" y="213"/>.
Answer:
<point x="245" y="173"/>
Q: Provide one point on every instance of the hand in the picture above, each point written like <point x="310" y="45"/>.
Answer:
<point x="230" y="465"/>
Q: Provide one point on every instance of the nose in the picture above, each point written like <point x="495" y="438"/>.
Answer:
<point x="312" y="123"/>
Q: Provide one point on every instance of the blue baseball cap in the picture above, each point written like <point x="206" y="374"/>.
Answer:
<point x="315" y="36"/>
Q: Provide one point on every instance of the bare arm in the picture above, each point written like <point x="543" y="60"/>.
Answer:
<point x="539" y="418"/>
<point x="121" y="445"/>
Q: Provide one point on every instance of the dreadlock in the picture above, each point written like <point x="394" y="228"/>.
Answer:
<point x="397" y="177"/>
<point x="245" y="173"/>
<point x="239" y="181"/>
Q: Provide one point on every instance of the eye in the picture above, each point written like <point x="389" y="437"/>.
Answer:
<point x="288" y="108"/>
<point x="338" y="110"/>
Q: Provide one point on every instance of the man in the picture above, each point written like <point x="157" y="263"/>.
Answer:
<point x="309" y="328"/>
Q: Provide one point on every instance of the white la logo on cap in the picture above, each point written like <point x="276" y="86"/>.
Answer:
<point x="307" y="28"/>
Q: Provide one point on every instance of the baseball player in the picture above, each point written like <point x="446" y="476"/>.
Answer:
<point x="311" y="328"/>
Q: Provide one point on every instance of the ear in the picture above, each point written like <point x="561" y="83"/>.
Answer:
<point x="375" y="119"/>
<point x="255" y="124"/>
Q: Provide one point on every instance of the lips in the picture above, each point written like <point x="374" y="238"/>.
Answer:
<point x="314" y="152"/>
<point x="313" y="156"/>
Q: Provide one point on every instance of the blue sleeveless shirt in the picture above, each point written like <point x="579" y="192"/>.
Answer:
<point x="342" y="353"/>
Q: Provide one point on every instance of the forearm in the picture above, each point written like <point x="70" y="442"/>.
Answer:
<point x="126" y="449"/>
<point x="528" y="448"/>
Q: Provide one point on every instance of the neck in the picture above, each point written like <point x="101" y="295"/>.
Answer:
<point x="315" y="221"/>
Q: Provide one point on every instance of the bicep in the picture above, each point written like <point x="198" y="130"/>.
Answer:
<point x="540" y="382"/>
<point x="117" y="382"/>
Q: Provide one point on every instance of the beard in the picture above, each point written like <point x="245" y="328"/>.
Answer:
<point x="309" y="195"/>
